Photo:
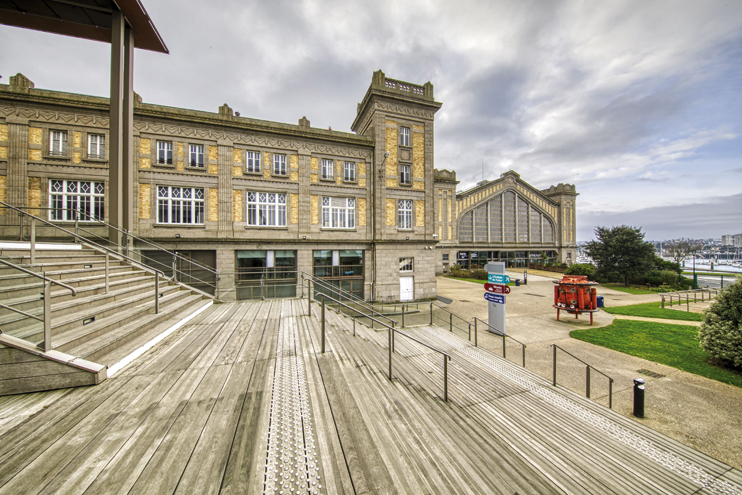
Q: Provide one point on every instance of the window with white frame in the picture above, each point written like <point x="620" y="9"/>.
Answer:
<point x="253" y="161"/>
<point x="165" y="152"/>
<point x="266" y="209"/>
<point x="58" y="143"/>
<point x="69" y="196"/>
<point x="196" y="155"/>
<point x="279" y="164"/>
<point x="404" y="174"/>
<point x="406" y="264"/>
<point x="97" y="146"/>
<point x="350" y="172"/>
<point x="338" y="213"/>
<point x="404" y="213"/>
<point x="404" y="136"/>
<point x="180" y="205"/>
<point x="326" y="171"/>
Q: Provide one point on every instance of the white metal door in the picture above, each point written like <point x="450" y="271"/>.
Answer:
<point x="406" y="288"/>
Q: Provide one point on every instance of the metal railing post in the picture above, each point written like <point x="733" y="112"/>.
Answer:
<point x="504" y="346"/>
<point x="663" y="301"/>
<point x="309" y="298"/>
<point x="390" y="352"/>
<point x="393" y="341"/>
<point x="476" y="333"/>
<point x="553" y="373"/>
<point x="610" y="393"/>
<point x="175" y="273"/>
<point x="33" y="241"/>
<point x="47" y="316"/>
<point x="323" y="323"/>
<point x="77" y="223"/>
<point x="20" y="226"/>
<point x="445" y="378"/>
<point x="469" y="332"/>
<point x="687" y="303"/>
<point x="354" y="325"/>
<point x="403" y="316"/>
<point x="587" y="381"/>
<point x="431" y="314"/>
<point x="157" y="294"/>
<point x="524" y="355"/>
<point x="106" y="272"/>
<point x="450" y="322"/>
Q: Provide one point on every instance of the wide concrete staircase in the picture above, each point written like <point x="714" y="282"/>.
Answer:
<point x="503" y="430"/>
<point x="91" y="331"/>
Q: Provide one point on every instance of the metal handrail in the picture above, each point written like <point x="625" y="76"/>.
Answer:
<point x="357" y="300"/>
<point x="46" y="345"/>
<point x="504" y="336"/>
<point x="588" y="367"/>
<point x="42" y="276"/>
<point x="678" y="293"/>
<point x="122" y="231"/>
<point x="390" y="330"/>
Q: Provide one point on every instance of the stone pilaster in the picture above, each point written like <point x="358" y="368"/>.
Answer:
<point x="17" y="185"/>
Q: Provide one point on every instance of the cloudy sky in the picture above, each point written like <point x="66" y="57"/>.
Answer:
<point x="637" y="103"/>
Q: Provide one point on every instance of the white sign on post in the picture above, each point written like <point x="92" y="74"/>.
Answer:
<point x="496" y="306"/>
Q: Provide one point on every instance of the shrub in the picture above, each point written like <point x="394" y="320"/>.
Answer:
<point x="668" y="277"/>
<point x="721" y="331"/>
<point x="479" y="274"/>
<point x="581" y="269"/>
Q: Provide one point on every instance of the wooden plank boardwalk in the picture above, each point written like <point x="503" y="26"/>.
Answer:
<point x="241" y="400"/>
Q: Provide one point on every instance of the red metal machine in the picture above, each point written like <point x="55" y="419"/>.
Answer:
<point x="574" y="294"/>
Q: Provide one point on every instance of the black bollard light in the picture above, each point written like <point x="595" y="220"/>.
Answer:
<point x="638" y="397"/>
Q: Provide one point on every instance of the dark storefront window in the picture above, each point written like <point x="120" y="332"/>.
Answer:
<point x="266" y="274"/>
<point x="340" y="268"/>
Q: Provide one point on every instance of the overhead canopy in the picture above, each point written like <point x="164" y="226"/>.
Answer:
<point x="87" y="19"/>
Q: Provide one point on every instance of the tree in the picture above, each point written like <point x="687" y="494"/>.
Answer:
<point x="620" y="253"/>
<point x="681" y="249"/>
<point x="721" y="331"/>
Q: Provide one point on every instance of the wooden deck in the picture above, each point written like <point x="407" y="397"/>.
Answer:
<point x="240" y="400"/>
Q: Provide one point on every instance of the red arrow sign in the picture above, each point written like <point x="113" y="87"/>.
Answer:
<point x="497" y="289"/>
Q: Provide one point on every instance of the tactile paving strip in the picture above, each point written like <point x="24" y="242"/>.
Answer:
<point x="671" y="461"/>
<point x="291" y="462"/>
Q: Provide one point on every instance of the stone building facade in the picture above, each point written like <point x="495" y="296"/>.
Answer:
<point x="263" y="201"/>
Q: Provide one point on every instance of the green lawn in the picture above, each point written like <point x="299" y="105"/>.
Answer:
<point x="628" y="290"/>
<point x="653" y="310"/>
<point x="672" y="345"/>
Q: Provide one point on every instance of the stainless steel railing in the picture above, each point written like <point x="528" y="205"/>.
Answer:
<point x="587" y="374"/>
<point x="390" y="330"/>
<point x="46" y="345"/>
<point x="504" y="336"/>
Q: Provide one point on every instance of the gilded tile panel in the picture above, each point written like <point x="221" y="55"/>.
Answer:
<point x="418" y="155"/>
<point x="145" y="146"/>
<point x="237" y="155"/>
<point x="313" y="178"/>
<point x="391" y="212"/>
<point x="440" y="209"/>
<point x="361" y="168"/>
<point x="362" y="212"/>
<point x="145" y="202"/>
<point x="418" y="184"/>
<point x="314" y="163"/>
<point x="180" y="150"/>
<point x="362" y="182"/>
<point x="34" y="195"/>
<point x="3" y="152"/>
<point x="213" y="169"/>
<point x="391" y="183"/>
<point x="450" y="235"/>
<point x="315" y="209"/>
<point x="77" y="140"/>
<point x="339" y="175"/>
<point x="34" y="155"/>
<point x="294" y="176"/>
<point x="213" y="204"/>
<point x="213" y="153"/>
<point x="34" y="135"/>
<point x="145" y="163"/>
<point x="3" y="192"/>
<point x="237" y="171"/>
<point x="420" y="213"/>
<point x="3" y="132"/>
<point x="294" y="208"/>
<point x="391" y="147"/>
<point x="236" y="206"/>
<point x="267" y="165"/>
<point x="76" y="157"/>
<point x="294" y="160"/>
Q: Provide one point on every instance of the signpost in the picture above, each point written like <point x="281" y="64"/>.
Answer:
<point x="494" y="298"/>
<point x="496" y="278"/>
<point x="497" y="289"/>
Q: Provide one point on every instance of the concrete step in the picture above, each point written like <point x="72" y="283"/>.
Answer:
<point x="111" y="346"/>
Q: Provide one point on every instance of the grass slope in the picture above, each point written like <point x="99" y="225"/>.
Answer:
<point x="672" y="345"/>
<point x="653" y="310"/>
<point x="628" y="290"/>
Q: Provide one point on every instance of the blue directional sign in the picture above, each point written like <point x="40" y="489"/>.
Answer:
<point x="495" y="298"/>
<point x="495" y="278"/>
